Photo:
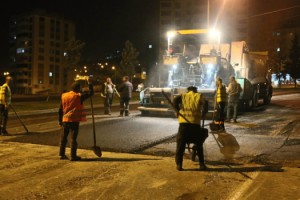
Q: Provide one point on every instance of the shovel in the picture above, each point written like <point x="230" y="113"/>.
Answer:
<point x="95" y="148"/>
<point x="19" y="119"/>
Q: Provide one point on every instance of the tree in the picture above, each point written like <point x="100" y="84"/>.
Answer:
<point x="129" y="59"/>
<point x="293" y="63"/>
<point x="276" y="59"/>
<point x="276" y="63"/>
<point x="72" y="53"/>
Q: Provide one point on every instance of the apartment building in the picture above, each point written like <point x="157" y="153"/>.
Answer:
<point x="272" y="24"/>
<point x="36" y="52"/>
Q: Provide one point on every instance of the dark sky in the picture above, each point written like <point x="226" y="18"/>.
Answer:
<point x="104" y="25"/>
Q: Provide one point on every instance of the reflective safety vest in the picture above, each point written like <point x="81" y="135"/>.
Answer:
<point x="191" y="108"/>
<point x="5" y="94"/>
<point x="221" y="94"/>
<point x="73" y="110"/>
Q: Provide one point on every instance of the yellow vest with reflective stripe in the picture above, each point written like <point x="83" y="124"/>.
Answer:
<point x="221" y="94"/>
<point x="191" y="108"/>
<point x="73" y="110"/>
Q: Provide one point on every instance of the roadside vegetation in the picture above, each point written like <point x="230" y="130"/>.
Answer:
<point x="44" y="103"/>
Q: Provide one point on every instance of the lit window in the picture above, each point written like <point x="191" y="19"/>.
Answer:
<point x="150" y="46"/>
<point x="278" y="49"/>
<point x="50" y="74"/>
<point x="20" y="50"/>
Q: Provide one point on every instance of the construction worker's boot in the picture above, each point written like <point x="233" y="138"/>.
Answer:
<point x="62" y="153"/>
<point x="126" y="113"/>
<point x="121" y="113"/>
<point x="74" y="156"/>
<point x="4" y="131"/>
<point x="202" y="166"/>
<point x="179" y="167"/>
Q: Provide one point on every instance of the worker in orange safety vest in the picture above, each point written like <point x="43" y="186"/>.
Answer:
<point x="71" y="113"/>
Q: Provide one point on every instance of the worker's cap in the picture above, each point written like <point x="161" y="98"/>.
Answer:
<point x="219" y="79"/>
<point x="192" y="88"/>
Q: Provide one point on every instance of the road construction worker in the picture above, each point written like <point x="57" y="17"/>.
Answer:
<point x="107" y="93"/>
<point x="221" y="99"/>
<point x="5" y="101"/>
<point x="190" y="107"/>
<point x="125" y="91"/>
<point x="234" y="89"/>
<point x="71" y="113"/>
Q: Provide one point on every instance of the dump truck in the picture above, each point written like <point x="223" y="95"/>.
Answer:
<point x="191" y="61"/>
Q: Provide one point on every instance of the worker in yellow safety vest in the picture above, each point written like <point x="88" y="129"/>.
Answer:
<point x="71" y="113"/>
<point x="221" y="99"/>
<point x="190" y="107"/>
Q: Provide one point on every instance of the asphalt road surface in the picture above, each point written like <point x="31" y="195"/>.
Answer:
<point x="137" y="133"/>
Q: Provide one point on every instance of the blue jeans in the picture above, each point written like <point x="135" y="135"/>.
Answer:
<point x="234" y="106"/>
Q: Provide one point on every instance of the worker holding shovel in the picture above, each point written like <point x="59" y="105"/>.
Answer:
<point x="71" y="113"/>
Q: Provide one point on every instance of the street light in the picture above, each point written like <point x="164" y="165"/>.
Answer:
<point x="208" y="5"/>
<point x="114" y="69"/>
<point x="216" y="37"/>
<point x="170" y="36"/>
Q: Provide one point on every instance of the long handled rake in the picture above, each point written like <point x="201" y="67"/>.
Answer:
<point x="19" y="119"/>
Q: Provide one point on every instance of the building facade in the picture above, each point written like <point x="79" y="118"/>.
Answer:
<point x="272" y="24"/>
<point x="37" y="41"/>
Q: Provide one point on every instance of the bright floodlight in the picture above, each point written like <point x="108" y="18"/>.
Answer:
<point x="171" y="34"/>
<point x="214" y="33"/>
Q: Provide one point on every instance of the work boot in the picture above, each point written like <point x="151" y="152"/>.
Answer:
<point x="76" y="158"/>
<point x="234" y="121"/>
<point x="202" y="167"/>
<point x="64" y="157"/>
<point x="179" y="168"/>
<point x="126" y="113"/>
<point x="4" y="132"/>
<point x="121" y="113"/>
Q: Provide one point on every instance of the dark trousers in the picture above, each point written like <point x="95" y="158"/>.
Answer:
<point x="124" y="105"/>
<point x="3" y="116"/>
<point x="73" y="129"/>
<point x="107" y="103"/>
<point x="221" y="112"/>
<point x="189" y="133"/>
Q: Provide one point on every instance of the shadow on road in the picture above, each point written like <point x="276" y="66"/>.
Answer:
<point x="115" y="159"/>
<point x="266" y="168"/>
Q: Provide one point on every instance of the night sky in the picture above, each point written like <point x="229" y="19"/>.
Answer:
<point x="104" y="25"/>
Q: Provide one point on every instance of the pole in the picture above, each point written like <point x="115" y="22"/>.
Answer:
<point x="208" y="8"/>
<point x="19" y="119"/>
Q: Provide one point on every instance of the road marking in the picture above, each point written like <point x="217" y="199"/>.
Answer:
<point x="240" y="191"/>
